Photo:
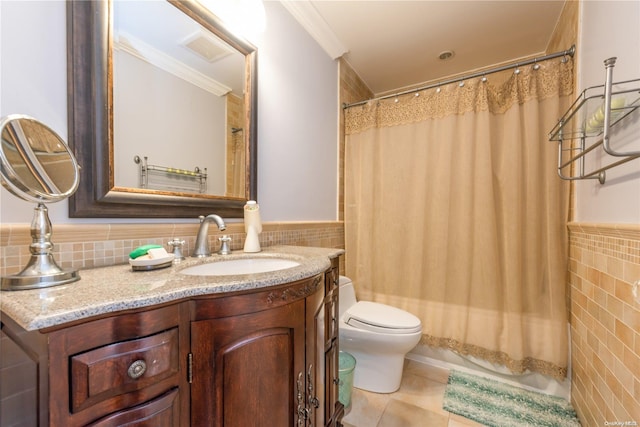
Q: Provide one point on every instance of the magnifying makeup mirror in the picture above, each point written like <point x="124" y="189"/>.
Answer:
<point x="37" y="165"/>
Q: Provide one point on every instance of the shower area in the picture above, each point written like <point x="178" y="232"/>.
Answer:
<point x="236" y="147"/>
<point x="236" y="165"/>
<point x="455" y="213"/>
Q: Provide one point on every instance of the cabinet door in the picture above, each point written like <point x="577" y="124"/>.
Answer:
<point x="246" y="368"/>
<point x="333" y="406"/>
<point x="334" y="410"/>
<point x="322" y="354"/>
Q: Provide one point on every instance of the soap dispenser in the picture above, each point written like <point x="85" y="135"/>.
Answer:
<point x="252" y="226"/>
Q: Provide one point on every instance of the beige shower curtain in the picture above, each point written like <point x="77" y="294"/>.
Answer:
<point x="454" y="212"/>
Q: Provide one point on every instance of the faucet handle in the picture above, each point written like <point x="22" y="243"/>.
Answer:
<point x="176" y="245"/>
<point x="225" y="241"/>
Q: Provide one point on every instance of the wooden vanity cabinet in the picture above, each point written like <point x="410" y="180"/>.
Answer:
<point x="259" y="358"/>
<point x="265" y="357"/>
<point x="122" y="370"/>
<point x="126" y="369"/>
<point x="334" y="410"/>
<point x="322" y="357"/>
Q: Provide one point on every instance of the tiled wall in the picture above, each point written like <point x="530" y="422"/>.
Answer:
<point x="235" y="141"/>
<point x="604" y="263"/>
<point x="566" y="35"/>
<point x="566" y="31"/>
<point x="352" y="89"/>
<point x="93" y="245"/>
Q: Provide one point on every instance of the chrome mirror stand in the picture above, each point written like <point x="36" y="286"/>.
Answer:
<point x="41" y="270"/>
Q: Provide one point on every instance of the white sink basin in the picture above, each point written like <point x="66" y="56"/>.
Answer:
<point x="240" y="266"/>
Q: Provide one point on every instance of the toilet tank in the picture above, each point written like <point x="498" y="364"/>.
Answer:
<point x="347" y="294"/>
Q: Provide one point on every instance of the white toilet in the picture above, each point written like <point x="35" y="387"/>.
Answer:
<point x="378" y="336"/>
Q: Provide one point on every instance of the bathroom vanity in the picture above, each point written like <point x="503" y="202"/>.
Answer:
<point x="162" y="348"/>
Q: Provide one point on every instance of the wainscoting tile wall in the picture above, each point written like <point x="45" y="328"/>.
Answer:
<point x="85" y="246"/>
<point x="604" y="263"/>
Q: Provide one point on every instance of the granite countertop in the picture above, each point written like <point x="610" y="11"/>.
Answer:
<point x="115" y="288"/>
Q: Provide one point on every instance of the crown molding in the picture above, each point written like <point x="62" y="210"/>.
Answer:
<point x="136" y="47"/>
<point x="307" y="16"/>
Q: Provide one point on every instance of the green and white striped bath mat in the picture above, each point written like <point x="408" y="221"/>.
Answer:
<point x="496" y="404"/>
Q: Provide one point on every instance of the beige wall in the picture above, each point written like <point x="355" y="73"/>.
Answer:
<point x="566" y="32"/>
<point x="352" y="89"/>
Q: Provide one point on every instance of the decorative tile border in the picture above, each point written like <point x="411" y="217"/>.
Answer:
<point x="85" y="246"/>
<point x="621" y="241"/>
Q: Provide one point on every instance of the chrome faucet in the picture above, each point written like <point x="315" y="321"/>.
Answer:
<point x="202" y="239"/>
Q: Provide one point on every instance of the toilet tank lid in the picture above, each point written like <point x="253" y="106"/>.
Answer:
<point x="376" y="317"/>
<point x="343" y="280"/>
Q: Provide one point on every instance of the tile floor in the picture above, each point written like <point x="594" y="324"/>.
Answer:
<point x="418" y="402"/>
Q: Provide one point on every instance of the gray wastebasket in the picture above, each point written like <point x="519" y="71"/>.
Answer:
<point x="346" y="366"/>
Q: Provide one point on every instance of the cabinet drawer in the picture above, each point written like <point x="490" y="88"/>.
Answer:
<point x="122" y="367"/>
<point x="163" y="411"/>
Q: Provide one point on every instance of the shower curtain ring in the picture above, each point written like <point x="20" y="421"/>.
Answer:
<point x="536" y="66"/>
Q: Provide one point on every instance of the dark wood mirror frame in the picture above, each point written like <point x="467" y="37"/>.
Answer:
<point x="90" y="119"/>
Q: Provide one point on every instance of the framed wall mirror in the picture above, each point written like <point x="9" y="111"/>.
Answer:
<point x="162" y="111"/>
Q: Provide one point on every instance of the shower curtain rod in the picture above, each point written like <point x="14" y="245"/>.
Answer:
<point x="569" y="52"/>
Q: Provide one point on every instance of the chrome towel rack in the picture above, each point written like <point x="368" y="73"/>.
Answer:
<point x="169" y="178"/>
<point x="590" y="118"/>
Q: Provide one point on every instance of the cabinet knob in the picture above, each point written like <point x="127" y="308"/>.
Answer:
<point x="137" y="369"/>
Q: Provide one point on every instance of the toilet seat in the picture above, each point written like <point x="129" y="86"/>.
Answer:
<point x="376" y="317"/>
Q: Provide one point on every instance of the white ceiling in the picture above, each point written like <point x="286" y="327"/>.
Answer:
<point x="396" y="44"/>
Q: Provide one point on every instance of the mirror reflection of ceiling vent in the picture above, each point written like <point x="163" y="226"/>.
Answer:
<point x="207" y="47"/>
